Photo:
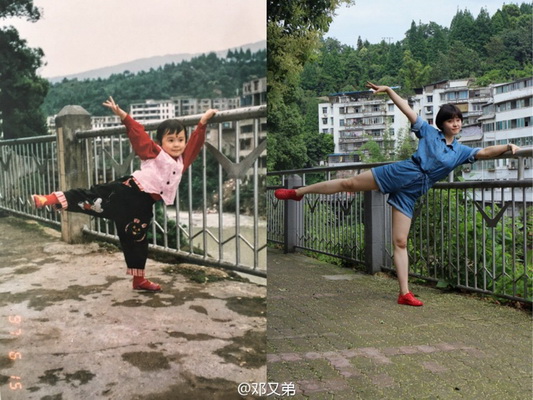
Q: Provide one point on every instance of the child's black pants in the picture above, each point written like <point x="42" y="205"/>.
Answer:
<point x="128" y="207"/>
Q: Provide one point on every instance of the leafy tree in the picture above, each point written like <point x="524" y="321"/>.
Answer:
<point x="294" y="29"/>
<point x="21" y="90"/>
<point x="413" y="74"/>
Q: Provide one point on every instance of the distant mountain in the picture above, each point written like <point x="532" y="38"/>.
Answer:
<point x="144" y="64"/>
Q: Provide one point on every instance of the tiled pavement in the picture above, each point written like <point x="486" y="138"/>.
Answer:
<point x="339" y="334"/>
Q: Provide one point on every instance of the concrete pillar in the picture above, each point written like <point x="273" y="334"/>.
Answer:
<point x="375" y="235"/>
<point x="293" y="216"/>
<point x="72" y="166"/>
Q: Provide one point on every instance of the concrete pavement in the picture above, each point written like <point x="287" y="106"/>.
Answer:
<point x="72" y="328"/>
<point x="339" y="334"/>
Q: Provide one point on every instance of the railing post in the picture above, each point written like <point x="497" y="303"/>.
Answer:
<point x="293" y="216"/>
<point x="374" y="221"/>
<point x="71" y="165"/>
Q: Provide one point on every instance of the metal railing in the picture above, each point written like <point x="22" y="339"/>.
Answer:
<point x="200" y="230"/>
<point x="470" y="235"/>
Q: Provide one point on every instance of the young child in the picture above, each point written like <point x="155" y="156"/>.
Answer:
<point x="437" y="155"/>
<point x="128" y="201"/>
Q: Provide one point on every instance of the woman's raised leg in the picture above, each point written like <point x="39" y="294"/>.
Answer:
<point x="358" y="183"/>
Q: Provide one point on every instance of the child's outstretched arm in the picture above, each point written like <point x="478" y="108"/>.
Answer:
<point x="143" y="146"/>
<point x="110" y="103"/>
<point x="495" y="151"/>
<point x="197" y="139"/>
<point x="400" y="103"/>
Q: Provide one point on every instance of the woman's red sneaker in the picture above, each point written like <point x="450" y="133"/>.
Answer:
<point x="287" y="194"/>
<point x="409" y="299"/>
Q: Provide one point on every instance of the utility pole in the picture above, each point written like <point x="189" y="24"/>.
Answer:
<point x="388" y="38"/>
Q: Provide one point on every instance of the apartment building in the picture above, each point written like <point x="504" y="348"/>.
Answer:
<point x="505" y="118"/>
<point x="254" y="92"/>
<point x="152" y="110"/>
<point x="353" y="118"/>
<point x="459" y="92"/>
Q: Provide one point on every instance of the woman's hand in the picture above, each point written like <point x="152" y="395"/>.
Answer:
<point x="513" y="148"/>
<point x="376" y="88"/>
<point x="110" y="103"/>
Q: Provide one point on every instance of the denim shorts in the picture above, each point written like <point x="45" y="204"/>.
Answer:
<point x="404" y="182"/>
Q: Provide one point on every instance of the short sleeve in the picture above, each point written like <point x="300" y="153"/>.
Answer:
<point x="468" y="154"/>
<point x="418" y="127"/>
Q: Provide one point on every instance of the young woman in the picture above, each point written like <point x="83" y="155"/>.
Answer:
<point x="437" y="155"/>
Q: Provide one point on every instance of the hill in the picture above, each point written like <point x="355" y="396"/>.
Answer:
<point x="145" y="64"/>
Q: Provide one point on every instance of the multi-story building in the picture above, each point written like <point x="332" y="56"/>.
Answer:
<point x="459" y="92"/>
<point x="353" y="118"/>
<point x="108" y="121"/>
<point x="254" y="92"/>
<point x="506" y="118"/>
<point x="152" y="110"/>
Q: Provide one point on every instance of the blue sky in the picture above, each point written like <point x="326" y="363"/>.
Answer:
<point x="377" y="19"/>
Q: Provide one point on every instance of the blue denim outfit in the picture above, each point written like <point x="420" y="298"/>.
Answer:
<point x="405" y="181"/>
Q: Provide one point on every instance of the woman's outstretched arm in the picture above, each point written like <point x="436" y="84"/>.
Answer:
<point x="400" y="103"/>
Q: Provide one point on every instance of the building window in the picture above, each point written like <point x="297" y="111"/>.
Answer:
<point x="430" y="99"/>
<point x="324" y="110"/>
<point x="341" y="122"/>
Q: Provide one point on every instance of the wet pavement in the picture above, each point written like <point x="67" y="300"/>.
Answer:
<point x="338" y="334"/>
<point x="73" y="328"/>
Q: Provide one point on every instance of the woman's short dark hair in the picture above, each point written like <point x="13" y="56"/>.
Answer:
<point x="446" y="112"/>
<point x="169" y="126"/>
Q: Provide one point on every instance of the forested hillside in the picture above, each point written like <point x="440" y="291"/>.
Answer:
<point x="491" y="49"/>
<point x="206" y="76"/>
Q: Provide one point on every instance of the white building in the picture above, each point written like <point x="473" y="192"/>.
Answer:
<point x="152" y="110"/>
<point x="506" y="118"/>
<point x="459" y="92"/>
<point x="355" y="117"/>
<point x="105" y="122"/>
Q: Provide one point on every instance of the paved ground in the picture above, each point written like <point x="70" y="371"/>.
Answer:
<point x="338" y="334"/>
<point x="71" y="328"/>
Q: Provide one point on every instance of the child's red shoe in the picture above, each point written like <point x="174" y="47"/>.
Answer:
<point x="145" y="284"/>
<point x="409" y="299"/>
<point x="287" y="194"/>
<point x="40" y="201"/>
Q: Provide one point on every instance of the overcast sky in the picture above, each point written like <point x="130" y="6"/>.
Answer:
<point x="81" y="35"/>
<point x="377" y="19"/>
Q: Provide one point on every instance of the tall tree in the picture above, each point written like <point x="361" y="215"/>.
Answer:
<point x="294" y="29"/>
<point x="22" y="91"/>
